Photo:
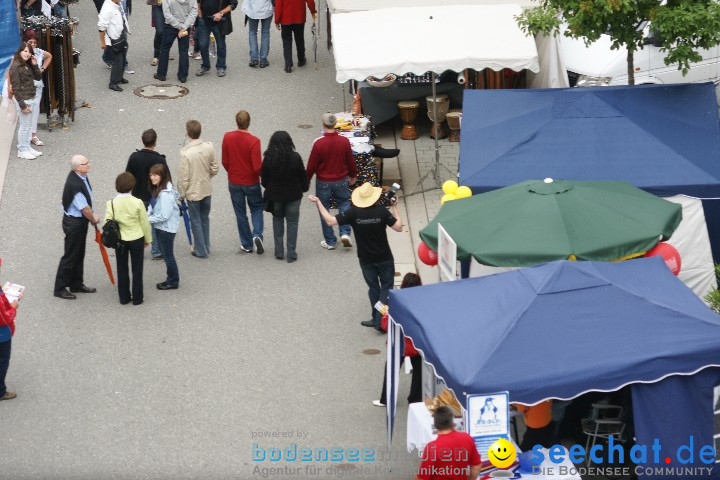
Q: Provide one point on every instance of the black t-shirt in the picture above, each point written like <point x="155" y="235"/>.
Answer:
<point x="369" y="225"/>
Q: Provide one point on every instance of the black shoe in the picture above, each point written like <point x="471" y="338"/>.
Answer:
<point x="386" y="152"/>
<point x="137" y="303"/>
<point x="83" y="289"/>
<point x="259" y="247"/>
<point x="65" y="295"/>
<point x="367" y="323"/>
<point x="166" y="286"/>
<point x="253" y="63"/>
<point x="158" y="77"/>
<point x="302" y="62"/>
<point x="288" y="69"/>
<point x="126" y="301"/>
<point x="117" y="88"/>
<point x="183" y="80"/>
<point x="123" y="81"/>
<point x="264" y="64"/>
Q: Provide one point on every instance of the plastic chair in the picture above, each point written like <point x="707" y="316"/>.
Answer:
<point x="606" y="420"/>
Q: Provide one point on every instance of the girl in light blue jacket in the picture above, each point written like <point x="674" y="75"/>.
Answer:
<point x="164" y="215"/>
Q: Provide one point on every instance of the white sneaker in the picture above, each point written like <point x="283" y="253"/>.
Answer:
<point x="35" y="152"/>
<point x="326" y="246"/>
<point x="127" y="70"/>
<point x="154" y="62"/>
<point x="345" y="240"/>
<point x="378" y="403"/>
<point x="26" y="155"/>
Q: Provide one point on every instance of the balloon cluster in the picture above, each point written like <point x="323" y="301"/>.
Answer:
<point x="452" y="191"/>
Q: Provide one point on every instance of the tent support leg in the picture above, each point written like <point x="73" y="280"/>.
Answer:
<point x="435" y="170"/>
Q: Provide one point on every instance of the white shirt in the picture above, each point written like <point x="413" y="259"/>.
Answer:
<point x="110" y="21"/>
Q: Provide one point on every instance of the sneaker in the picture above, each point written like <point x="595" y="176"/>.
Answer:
<point x="26" y="155"/>
<point x="191" y="54"/>
<point x="109" y="65"/>
<point x="36" y="141"/>
<point x="159" y="257"/>
<point x="326" y="246"/>
<point x="221" y="73"/>
<point x="264" y="64"/>
<point x="259" y="247"/>
<point x="244" y="250"/>
<point x="35" y="152"/>
<point x="127" y="70"/>
<point x="253" y="63"/>
<point x="378" y="403"/>
<point x="345" y="240"/>
<point x="8" y="395"/>
<point x="197" y="56"/>
<point x="154" y="62"/>
<point x="201" y="71"/>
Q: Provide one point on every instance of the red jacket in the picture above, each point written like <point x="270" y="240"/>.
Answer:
<point x="241" y="157"/>
<point x="288" y="12"/>
<point x="410" y="350"/>
<point x="7" y="314"/>
<point x="331" y="158"/>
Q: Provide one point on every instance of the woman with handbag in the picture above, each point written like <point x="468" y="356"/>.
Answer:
<point x="135" y="235"/>
<point x="23" y="73"/>
<point x="164" y="215"/>
<point x="284" y="178"/>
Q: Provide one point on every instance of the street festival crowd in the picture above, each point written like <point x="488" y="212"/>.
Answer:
<point x="149" y="206"/>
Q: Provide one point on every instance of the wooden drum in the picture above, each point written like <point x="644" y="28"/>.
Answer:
<point x="439" y="107"/>
<point x="408" y="114"/>
<point x="453" y="118"/>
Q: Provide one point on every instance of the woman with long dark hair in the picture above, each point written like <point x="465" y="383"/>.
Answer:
<point x="285" y="180"/>
<point x="43" y="61"/>
<point x="164" y="215"/>
<point x="23" y="73"/>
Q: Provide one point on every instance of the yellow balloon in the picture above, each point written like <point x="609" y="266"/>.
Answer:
<point x="449" y="187"/>
<point x="447" y="197"/>
<point x="463" y="192"/>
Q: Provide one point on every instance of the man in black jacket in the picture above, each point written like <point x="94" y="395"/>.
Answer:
<point x="214" y="17"/>
<point x="139" y="164"/>
<point x="77" y="208"/>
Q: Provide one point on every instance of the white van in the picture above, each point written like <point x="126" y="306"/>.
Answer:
<point x="598" y="65"/>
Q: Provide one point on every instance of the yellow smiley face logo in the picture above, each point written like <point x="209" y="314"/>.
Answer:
<point x="502" y="453"/>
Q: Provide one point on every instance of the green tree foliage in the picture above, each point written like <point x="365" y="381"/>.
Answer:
<point x="681" y="27"/>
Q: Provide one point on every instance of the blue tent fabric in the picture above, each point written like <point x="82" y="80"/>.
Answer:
<point x="672" y="411"/>
<point x="10" y="34"/>
<point x="664" y="139"/>
<point x="560" y="329"/>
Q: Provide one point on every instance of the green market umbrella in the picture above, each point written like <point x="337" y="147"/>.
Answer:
<point x="540" y="221"/>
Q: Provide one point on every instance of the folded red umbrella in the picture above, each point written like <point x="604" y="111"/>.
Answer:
<point x="103" y="253"/>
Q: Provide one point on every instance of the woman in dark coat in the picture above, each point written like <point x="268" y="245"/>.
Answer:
<point x="284" y="178"/>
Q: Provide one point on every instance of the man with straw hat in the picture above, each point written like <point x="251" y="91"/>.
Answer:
<point x="368" y="220"/>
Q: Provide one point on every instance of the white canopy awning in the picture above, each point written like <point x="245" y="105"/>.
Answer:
<point x="345" y="6"/>
<point x="420" y="39"/>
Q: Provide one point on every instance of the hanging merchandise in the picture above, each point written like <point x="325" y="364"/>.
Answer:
<point x="54" y="35"/>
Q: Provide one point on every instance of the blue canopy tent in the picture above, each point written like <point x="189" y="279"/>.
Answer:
<point x="10" y="34"/>
<point x="562" y="329"/>
<point x="664" y="139"/>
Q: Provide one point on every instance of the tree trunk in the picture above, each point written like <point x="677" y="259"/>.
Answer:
<point x="631" y="67"/>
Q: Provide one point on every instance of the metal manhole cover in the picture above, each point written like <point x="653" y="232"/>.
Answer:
<point x="304" y="126"/>
<point x="163" y="91"/>
<point x="371" y="351"/>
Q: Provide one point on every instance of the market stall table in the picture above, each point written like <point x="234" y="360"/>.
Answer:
<point x="380" y="103"/>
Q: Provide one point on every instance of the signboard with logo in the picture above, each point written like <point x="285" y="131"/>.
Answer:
<point x="488" y="419"/>
<point x="447" y="256"/>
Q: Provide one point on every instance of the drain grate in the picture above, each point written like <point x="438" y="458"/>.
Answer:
<point x="164" y="91"/>
<point x="371" y="351"/>
<point x="304" y="126"/>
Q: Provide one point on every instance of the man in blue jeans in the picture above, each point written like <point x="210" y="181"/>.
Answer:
<point x="369" y="219"/>
<point x="331" y="158"/>
<point x="258" y="12"/>
<point x="243" y="162"/>
<point x="214" y="17"/>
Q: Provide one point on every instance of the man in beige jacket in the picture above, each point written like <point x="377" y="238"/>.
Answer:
<point x="197" y="167"/>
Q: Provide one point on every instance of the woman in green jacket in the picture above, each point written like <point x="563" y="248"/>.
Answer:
<point x="135" y="235"/>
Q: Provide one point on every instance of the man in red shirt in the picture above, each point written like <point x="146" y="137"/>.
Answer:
<point x="290" y="20"/>
<point x="332" y="160"/>
<point x="452" y="455"/>
<point x="241" y="158"/>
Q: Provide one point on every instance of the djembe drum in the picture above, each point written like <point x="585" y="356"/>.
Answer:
<point x="408" y="114"/>
<point x="453" y="119"/>
<point x="438" y="107"/>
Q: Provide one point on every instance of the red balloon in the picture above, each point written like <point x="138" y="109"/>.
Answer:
<point x="427" y="256"/>
<point x="669" y="254"/>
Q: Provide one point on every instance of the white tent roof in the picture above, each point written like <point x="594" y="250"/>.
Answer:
<point x="420" y="39"/>
<point x="345" y="6"/>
